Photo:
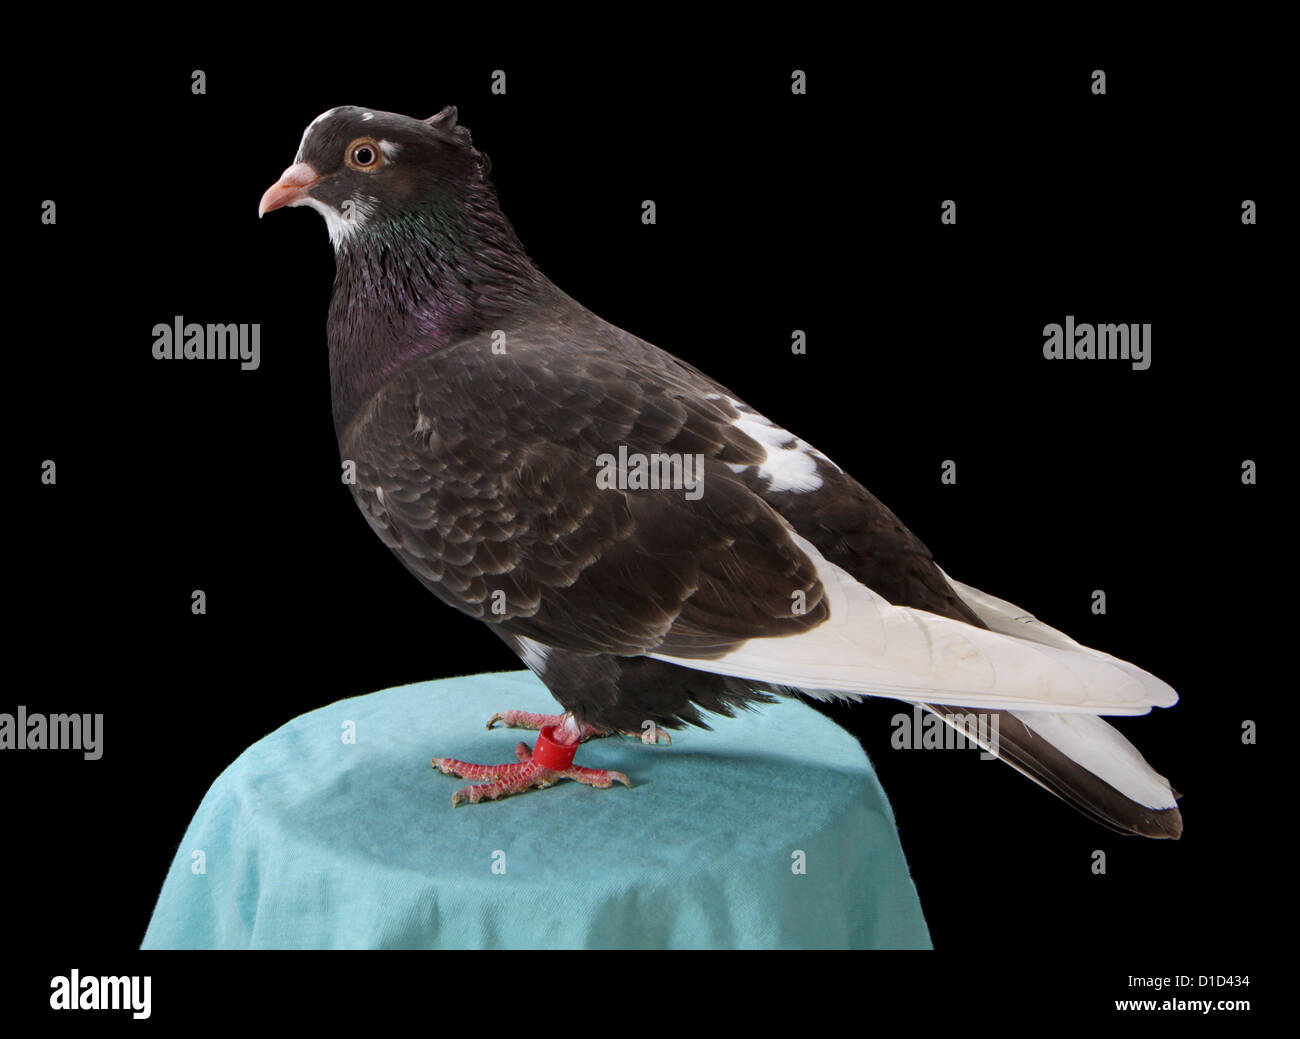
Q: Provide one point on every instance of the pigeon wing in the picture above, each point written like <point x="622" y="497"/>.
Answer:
<point x="481" y="471"/>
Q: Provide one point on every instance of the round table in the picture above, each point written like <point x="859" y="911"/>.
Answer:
<point x="334" y="831"/>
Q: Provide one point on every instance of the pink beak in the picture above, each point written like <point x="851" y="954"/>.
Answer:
<point x="290" y="189"/>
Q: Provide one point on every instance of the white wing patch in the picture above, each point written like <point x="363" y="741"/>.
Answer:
<point x="791" y="463"/>
<point x="869" y="647"/>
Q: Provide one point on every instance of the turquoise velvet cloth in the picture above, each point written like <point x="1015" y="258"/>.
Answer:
<point x="335" y="832"/>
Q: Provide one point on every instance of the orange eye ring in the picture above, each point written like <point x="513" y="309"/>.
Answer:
<point x="364" y="154"/>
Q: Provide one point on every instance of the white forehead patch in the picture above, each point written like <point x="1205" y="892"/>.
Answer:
<point x="366" y="116"/>
<point x="302" y="145"/>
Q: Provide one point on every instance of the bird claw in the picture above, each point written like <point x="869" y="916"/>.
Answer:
<point x="651" y="735"/>
<point x="524" y="720"/>
<point x="508" y="780"/>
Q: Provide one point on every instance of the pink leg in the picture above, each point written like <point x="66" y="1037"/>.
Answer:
<point x="536" y="722"/>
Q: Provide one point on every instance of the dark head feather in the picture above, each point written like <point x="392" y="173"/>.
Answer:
<point x="425" y="257"/>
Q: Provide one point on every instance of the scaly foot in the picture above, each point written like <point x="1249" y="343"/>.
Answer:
<point x="551" y="761"/>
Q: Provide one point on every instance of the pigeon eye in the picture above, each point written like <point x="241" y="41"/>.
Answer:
<point x="363" y="154"/>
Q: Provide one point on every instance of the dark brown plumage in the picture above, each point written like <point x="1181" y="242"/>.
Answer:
<point x="477" y="401"/>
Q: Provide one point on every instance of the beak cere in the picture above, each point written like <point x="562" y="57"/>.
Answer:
<point x="290" y="189"/>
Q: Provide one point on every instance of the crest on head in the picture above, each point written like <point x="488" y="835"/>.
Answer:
<point x="446" y="122"/>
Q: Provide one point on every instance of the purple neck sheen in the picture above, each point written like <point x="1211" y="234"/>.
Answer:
<point x="411" y="284"/>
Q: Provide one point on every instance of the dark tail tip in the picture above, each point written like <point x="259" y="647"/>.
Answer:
<point x="1166" y="823"/>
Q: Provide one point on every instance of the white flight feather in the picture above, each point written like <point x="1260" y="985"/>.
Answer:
<point x="869" y="647"/>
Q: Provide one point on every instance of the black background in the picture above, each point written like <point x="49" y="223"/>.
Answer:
<point x="775" y="212"/>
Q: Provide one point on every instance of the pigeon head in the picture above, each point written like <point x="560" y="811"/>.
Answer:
<point x="423" y="255"/>
<point x="361" y="168"/>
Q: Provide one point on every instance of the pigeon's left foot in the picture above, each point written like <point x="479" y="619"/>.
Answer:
<point x="551" y="762"/>
<point x="527" y="720"/>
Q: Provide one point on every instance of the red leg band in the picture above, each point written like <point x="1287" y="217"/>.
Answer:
<point x="551" y="755"/>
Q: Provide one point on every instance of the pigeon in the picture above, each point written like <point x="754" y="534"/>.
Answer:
<point x="652" y="547"/>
